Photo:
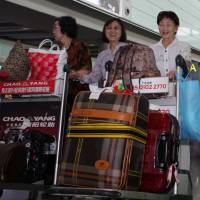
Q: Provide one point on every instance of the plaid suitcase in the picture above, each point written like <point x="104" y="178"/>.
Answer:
<point x="127" y="109"/>
<point x="161" y="153"/>
<point x="105" y="143"/>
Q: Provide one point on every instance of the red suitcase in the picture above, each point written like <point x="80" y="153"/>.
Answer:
<point x="161" y="153"/>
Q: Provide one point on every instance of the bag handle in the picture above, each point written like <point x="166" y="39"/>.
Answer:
<point x="112" y="73"/>
<point x="54" y="46"/>
<point x="127" y="80"/>
<point x="45" y="41"/>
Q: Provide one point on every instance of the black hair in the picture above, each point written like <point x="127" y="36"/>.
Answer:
<point x="68" y="26"/>
<point x="168" y="14"/>
<point x="108" y="22"/>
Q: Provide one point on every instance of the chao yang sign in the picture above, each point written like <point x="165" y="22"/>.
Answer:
<point x="43" y="115"/>
<point x="27" y="87"/>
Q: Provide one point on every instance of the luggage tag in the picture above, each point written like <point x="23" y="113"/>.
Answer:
<point x="172" y="169"/>
<point x="96" y="93"/>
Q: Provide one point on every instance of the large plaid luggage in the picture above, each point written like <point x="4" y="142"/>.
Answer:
<point x="161" y="153"/>
<point x="105" y="143"/>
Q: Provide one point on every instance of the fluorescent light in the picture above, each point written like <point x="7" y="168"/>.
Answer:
<point x="96" y="2"/>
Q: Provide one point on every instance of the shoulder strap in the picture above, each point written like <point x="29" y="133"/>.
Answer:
<point x="115" y="66"/>
<point x="128" y="67"/>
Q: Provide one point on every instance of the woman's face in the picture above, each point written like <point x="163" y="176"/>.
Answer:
<point x="167" y="28"/>
<point x="113" y="32"/>
<point x="57" y="32"/>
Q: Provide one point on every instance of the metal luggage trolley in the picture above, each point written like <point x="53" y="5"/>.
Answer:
<point x="47" y="107"/>
<point x="180" y="192"/>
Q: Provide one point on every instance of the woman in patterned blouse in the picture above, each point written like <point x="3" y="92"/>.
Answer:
<point x="78" y="57"/>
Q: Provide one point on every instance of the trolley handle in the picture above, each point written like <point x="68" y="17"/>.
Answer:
<point x="180" y="62"/>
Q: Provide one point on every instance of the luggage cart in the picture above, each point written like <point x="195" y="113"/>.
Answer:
<point x="181" y="192"/>
<point x="48" y="103"/>
<point x="55" y="192"/>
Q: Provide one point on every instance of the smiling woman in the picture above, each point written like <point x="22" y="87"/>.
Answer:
<point x="115" y="36"/>
<point x="169" y="46"/>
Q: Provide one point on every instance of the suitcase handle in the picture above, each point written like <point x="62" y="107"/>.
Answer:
<point x="162" y="152"/>
<point x="166" y="151"/>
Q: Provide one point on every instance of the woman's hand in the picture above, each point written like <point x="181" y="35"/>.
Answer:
<point x="77" y="74"/>
<point x="73" y="74"/>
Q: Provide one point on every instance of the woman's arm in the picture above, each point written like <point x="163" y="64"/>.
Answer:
<point x="96" y="73"/>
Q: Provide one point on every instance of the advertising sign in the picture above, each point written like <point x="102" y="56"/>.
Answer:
<point x="27" y="87"/>
<point x="148" y="85"/>
<point x="43" y="114"/>
<point x="151" y="85"/>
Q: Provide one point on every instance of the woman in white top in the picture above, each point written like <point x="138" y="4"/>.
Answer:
<point x="169" y="46"/>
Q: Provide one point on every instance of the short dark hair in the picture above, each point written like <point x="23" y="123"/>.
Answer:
<point x="168" y="14"/>
<point x="108" y="22"/>
<point x="68" y="26"/>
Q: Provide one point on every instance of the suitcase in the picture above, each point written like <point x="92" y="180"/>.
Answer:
<point x="104" y="146"/>
<point x="161" y="153"/>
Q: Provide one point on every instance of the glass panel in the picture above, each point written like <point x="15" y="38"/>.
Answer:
<point x="144" y="13"/>
<point x="109" y="5"/>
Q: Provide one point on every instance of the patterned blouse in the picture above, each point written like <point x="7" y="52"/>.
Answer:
<point x="78" y="58"/>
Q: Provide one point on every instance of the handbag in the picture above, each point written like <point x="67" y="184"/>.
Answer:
<point x="17" y="64"/>
<point x="190" y="109"/>
<point x="130" y="62"/>
<point x="47" y="64"/>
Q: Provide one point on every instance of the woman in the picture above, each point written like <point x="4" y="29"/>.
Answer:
<point x="169" y="46"/>
<point x="78" y="57"/>
<point x="115" y="36"/>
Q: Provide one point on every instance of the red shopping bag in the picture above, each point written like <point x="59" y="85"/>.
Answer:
<point x="46" y="64"/>
<point x="43" y="65"/>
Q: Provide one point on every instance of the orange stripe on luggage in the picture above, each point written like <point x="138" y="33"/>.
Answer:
<point x="106" y="114"/>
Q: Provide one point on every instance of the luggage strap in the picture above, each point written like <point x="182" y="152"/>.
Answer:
<point x="106" y="130"/>
<point x="103" y="114"/>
